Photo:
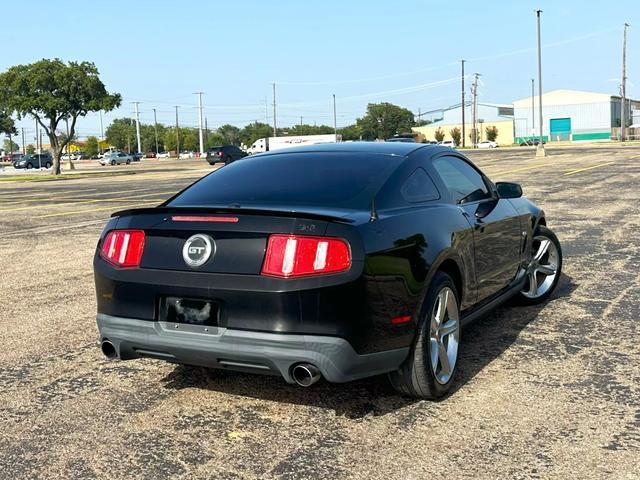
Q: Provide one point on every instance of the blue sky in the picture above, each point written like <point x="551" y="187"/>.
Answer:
<point x="159" y="52"/>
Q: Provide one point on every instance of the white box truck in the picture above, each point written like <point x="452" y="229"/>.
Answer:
<point x="279" y="143"/>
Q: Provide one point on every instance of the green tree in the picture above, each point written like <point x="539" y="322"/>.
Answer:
<point x="492" y="133"/>
<point x="10" y="146"/>
<point x="214" y="140"/>
<point x="439" y="134"/>
<point x="384" y="120"/>
<point x="91" y="146"/>
<point x="350" y="132"/>
<point x="7" y="125"/>
<point x="51" y="91"/>
<point x="121" y="133"/>
<point x="455" y="135"/>
<point x="30" y="149"/>
<point x="252" y="132"/>
<point x="230" y="134"/>
<point x="310" y="130"/>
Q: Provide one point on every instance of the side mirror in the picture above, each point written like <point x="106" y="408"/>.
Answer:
<point x="509" y="190"/>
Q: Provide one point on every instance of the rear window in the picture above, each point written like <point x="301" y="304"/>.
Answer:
<point x="335" y="179"/>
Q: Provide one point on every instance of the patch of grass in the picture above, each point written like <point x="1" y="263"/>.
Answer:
<point x="53" y="178"/>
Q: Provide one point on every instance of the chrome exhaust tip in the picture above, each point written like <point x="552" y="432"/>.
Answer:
<point x="305" y="374"/>
<point x="109" y="350"/>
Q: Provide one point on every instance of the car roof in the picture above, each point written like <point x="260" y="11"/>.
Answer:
<point x="385" y="148"/>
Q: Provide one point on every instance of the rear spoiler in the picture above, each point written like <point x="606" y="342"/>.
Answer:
<point x="241" y="211"/>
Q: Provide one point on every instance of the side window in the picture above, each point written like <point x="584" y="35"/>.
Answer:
<point x="463" y="181"/>
<point x="419" y="187"/>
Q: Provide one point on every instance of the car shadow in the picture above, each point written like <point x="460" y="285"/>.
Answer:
<point x="482" y="342"/>
<point x="490" y="336"/>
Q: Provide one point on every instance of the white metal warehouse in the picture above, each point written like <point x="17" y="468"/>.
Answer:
<point x="571" y="115"/>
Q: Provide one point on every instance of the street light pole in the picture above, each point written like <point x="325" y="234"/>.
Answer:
<point x="623" y="84"/>
<point x="463" y="109"/>
<point x="155" y="129"/>
<point x="200" y="135"/>
<point x="177" y="134"/>
<point x="335" y="123"/>
<point x="540" y="151"/>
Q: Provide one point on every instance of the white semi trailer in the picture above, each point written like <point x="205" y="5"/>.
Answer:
<point x="279" y="143"/>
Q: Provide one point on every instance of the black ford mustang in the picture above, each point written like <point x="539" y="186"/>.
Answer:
<point x="339" y="261"/>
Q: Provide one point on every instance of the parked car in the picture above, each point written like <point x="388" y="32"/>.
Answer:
<point x="150" y="155"/>
<point x="137" y="156"/>
<point x="163" y="155"/>
<point x="186" y="154"/>
<point x="65" y="157"/>
<point x="225" y="153"/>
<point x="340" y="261"/>
<point x="487" y="144"/>
<point x="448" y="143"/>
<point x="116" y="158"/>
<point x="531" y="142"/>
<point x="34" y="160"/>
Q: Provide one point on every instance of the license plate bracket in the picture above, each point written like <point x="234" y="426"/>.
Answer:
<point x="193" y="311"/>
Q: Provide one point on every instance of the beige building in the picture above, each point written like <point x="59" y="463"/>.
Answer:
<point x="489" y="115"/>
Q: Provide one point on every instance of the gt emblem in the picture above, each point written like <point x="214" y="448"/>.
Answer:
<point x="198" y="249"/>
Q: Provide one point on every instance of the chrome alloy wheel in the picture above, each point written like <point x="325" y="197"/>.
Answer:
<point x="444" y="335"/>
<point x="543" y="268"/>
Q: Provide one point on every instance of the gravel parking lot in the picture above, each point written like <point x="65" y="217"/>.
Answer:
<point x="549" y="391"/>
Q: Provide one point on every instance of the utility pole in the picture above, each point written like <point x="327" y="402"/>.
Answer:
<point x="275" y="129"/>
<point x="155" y="129"/>
<point x="474" y="110"/>
<point x="24" y="147"/>
<point x="37" y="138"/>
<point x="10" y="146"/>
<point x="101" y="131"/>
<point x="335" y="122"/>
<point x="66" y="121"/>
<point x="138" y="126"/>
<point x="462" y="62"/>
<point x="177" y="134"/>
<point x="200" y="122"/>
<point x="623" y="84"/>
<point x="533" y="108"/>
<point x="206" y="130"/>
<point x="300" y="120"/>
<point x="540" y="151"/>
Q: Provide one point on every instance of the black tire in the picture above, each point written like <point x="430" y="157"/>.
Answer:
<point x="47" y="165"/>
<point x="416" y="378"/>
<point x="29" y="166"/>
<point x="113" y="162"/>
<point x="520" y="298"/>
<point x="128" y="161"/>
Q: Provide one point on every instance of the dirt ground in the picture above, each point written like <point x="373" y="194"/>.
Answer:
<point x="542" y="392"/>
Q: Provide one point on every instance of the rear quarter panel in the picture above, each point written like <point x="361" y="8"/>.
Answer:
<point x="402" y="252"/>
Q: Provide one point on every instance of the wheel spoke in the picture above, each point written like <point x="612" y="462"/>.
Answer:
<point x="542" y="249"/>
<point x="448" y="328"/>
<point x="533" y="284"/>
<point x="440" y="309"/>
<point x="546" y="269"/>
<point x="444" y="359"/>
<point x="434" y="354"/>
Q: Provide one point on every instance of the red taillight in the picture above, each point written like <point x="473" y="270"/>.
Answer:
<point x="294" y="256"/>
<point x="123" y="248"/>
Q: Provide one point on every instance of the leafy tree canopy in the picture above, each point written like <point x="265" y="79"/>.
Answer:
<point x="384" y="120"/>
<point x="91" y="146"/>
<point x="6" y="124"/>
<point x="10" y="146"/>
<point x="50" y="91"/>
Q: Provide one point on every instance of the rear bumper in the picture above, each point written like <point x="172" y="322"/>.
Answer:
<point x="257" y="352"/>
